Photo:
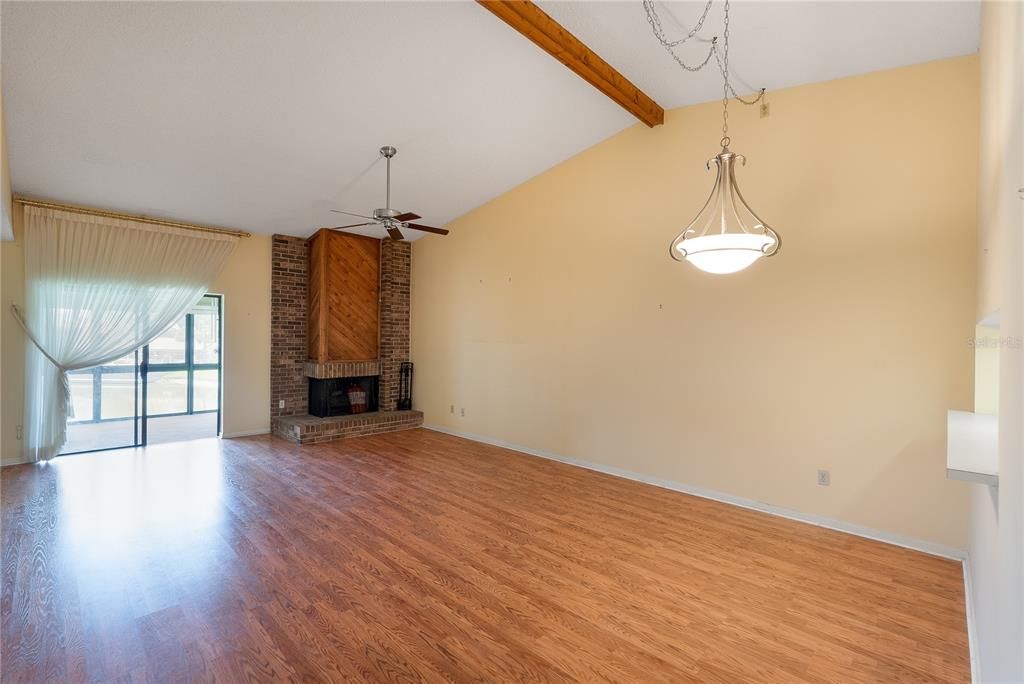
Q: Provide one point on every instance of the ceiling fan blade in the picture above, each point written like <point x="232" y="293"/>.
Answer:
<point x="407" y="216"/>
<point x="349" y="213"/>
<point x="354" y="225"/>
<point x="427" y="229"/>
<point x="395" y="233"/>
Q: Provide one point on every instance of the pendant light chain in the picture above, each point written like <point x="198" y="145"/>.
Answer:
<point x="714" y="51"/>
<point x="659" y="32"/>
<point x="725" y="82"/>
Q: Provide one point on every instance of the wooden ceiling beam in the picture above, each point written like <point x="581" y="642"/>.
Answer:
<point x="531" y="21"/>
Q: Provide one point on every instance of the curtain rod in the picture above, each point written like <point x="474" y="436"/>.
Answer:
<point x="28" y="201"/>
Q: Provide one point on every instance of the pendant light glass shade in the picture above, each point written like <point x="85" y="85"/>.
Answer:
<point x="726" y="236"/>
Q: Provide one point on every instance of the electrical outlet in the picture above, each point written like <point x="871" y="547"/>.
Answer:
<point x="280" y="404"/>
<point x="824" y="478"/>
<point x="17" y="431"/>
<point x="766" y="110"/>
<point x="462" y="412"/>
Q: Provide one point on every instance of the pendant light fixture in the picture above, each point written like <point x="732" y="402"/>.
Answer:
<point x="727" y="235"/>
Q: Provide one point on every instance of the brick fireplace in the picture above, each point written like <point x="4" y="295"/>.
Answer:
<point x="299" y="353"/>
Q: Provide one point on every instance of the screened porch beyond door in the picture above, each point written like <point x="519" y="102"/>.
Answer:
<point x="168" y="391"/>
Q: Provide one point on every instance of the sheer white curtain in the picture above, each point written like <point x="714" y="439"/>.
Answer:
<point x="96" y="289"/>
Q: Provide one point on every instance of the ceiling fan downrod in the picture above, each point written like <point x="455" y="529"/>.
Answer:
<point x="388" y="152"/>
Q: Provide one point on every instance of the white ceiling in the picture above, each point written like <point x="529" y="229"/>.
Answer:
<point x="773" y="44"/>
<point x="264" y="116"/>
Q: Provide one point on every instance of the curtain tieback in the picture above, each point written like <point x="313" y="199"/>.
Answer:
<point x="69" y="406"/>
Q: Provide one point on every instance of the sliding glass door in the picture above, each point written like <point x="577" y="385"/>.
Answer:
<point x="167" y="391"/>
<point x="105" y="401"/>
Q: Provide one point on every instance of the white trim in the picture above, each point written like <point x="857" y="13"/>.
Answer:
<point x="972" y="630"/>
<point x="245" y="433"/>
<point x="987" y="479"/>
<point x="923" y="546"/>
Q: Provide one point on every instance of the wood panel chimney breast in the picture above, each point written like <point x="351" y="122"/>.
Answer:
<point x="344" y="297"/>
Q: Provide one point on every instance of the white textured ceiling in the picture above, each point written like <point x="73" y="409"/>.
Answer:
<point x="772" y="44"/>
<point x="263" y="116"/>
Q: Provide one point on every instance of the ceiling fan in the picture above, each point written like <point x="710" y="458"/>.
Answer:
<point x="390" y="219"/>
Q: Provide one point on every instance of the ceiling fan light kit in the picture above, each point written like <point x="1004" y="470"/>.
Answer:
<point x="391" y="220"/>
<point x="727" y="235"/>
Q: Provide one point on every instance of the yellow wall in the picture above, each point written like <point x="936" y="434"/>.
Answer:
<point x="245" y="284"/>
<point x="999" y="76"/>
<point x="5" y="217"/>
<point x="554" y="316"/>
<point x="12" y="343"/>
<point x="5" y="181"/>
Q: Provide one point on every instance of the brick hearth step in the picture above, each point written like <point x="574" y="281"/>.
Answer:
<point x="311" y="429"/>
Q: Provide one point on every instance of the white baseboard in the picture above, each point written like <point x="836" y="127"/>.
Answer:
<point x="839" y="525"/>
<point x="972" y="633"/>
<point x="245" y="433"/>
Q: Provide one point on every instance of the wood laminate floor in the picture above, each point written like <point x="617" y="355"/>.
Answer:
<point x="416" y="556"/>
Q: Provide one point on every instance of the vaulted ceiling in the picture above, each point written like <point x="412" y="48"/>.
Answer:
<point x="774" y="44"/>
<point x="263" y="116"/>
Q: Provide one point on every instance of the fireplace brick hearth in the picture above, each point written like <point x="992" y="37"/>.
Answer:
<point x="291" y="367"/>
<point x="312" y="430"/>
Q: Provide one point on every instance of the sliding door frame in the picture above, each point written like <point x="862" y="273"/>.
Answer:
<point x="141" y="370"/>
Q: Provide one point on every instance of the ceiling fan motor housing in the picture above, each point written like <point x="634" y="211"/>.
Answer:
<point x="385" y="213"/>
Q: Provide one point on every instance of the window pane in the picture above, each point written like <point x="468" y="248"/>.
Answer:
<point x="205" y="331"/>
<point x="81" y="395"/>
<point x="118" y="395"/>
<point x="126" y="360"/>
<point x="207" y="303"/>
<point x="170" y="346"/>
<point x="205" y="391"/>
<point x="167" y="392"/>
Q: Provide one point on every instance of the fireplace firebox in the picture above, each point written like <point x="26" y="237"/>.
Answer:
<point x="342" y="396"/>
